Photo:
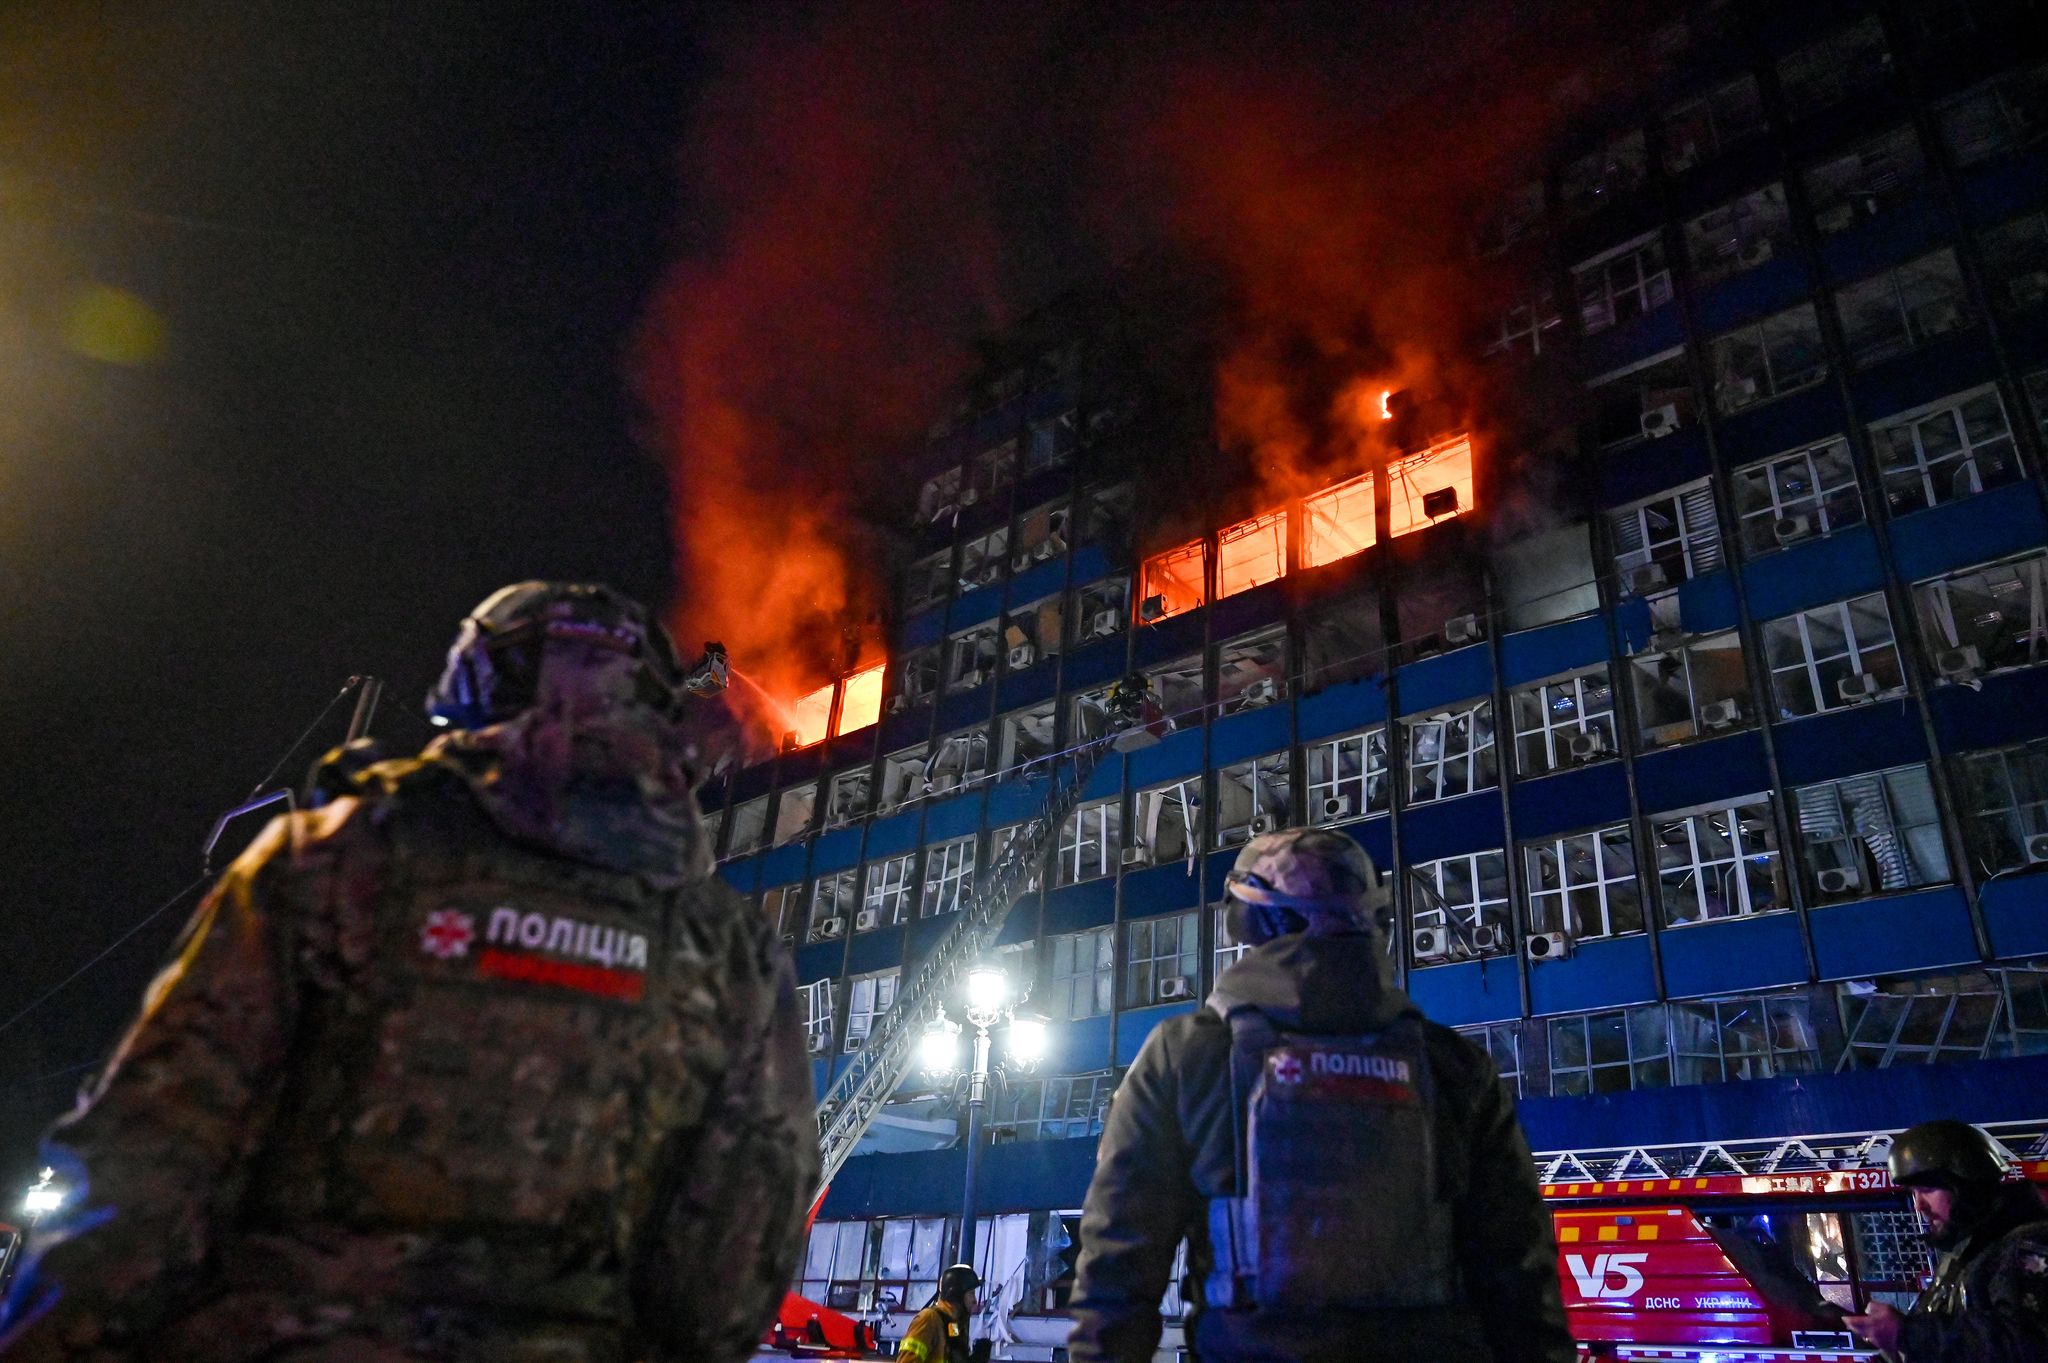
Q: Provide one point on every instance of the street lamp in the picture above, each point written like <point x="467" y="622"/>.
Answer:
<point x="42" y="1199"/>
<point x="988" y="1005"/>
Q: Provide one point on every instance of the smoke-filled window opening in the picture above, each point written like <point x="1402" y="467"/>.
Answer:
<point x="1826" y="72"/>
<point x="1470" y="890"/>
<point x="1451" y="752"/>
<point x="1862" y="835"/>
<point x="1698" y="130"/>
<point x="982" y="559"/>
<point x="1041" y="535"/>
<point x="1083" y="975"/>
<point x="1166" y="821"/>
<point x="1253" y="797"/>
<point x="1647" y="400"/>
<point x="1100" y="610"/>
<point x="902" y="779"/>
<point x="1162" y="959"/>
<point x="1548" y="577"/>
<point x="993" y="470"/>
<point x="1739" y="235"/>
<point x="1091" y="842"/>
<point x="1430" y="486"/>
<point x="1175" y="582"/>
<point x="1609" y="1052"/>
<point x="1051" y="441"/>
<point x="2016" y="262"/>
<point x="928" y="581"/>
<point x="1026" y="740"/>
<point x="1718" y="861"/>
<point x="1797" y="495"/>
<point x="917" y="678"/>
<point x="1103" y="515"/>
<point x="1953" y="448"/>
<point x="808" y="720"/>
<point x="891" y="884"/>
<point x="1251" y="670"/>
<point x="1583" y="885"/>
<point x="1347" y="776"/>
<point x="819" y="1015"/>
<point x="1179" y="688"/>
<point x="957" y="762"/>
<point x="1622" y="283"/>
<point x="1502" y="1042"/>
<point x="1713" y="1040"/>
<point x="939" y="499"/>
<point x="782" y="907"/>
<point x="1902" y="309"/>
<point x="848" y="800"/>
<point x="1533" y="321"/>
<point x="1999" y="116"/>
<point x="749" y="827"/>
<point x="1441" y="604"/>
<point x="1251" y="553"/>
<point x="1833" y="657"/>
<point x="1687" y="685"/>
<point x="2004" y="797"/>
<point x="1565" y="721"/>
<point x="971" y="658"/>
<point x="1868" y="180"/>
<point x="1605" y="175"/>
<point x="1033" y="633"/>
<point x="860" y="699"/>
<point x="868" y="997"/>
<point x="948" y="875"/>
<point x="1343" y="641"/>
<point x="795" y="809"/>
<point x="1338" y="522"/>
<point x="1517" y="215"/>
<point x="1034" y="874"/>
<point x="832" y="904"/>
<point x="1667" y="539"/>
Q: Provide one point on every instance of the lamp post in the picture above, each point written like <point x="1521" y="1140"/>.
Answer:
<point x="42" y="1198"/>
<point x="988" y="1005"/>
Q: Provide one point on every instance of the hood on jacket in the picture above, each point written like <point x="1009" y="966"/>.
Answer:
<point x="1315" y="984"/>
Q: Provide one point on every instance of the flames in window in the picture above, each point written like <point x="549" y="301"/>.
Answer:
<point x="1175" y="582"/>
<point x="1251" y="553"/>
<point x="1432" y="486"/>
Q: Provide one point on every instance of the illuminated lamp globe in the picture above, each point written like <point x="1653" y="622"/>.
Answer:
<point x="988" y="989"/>
<point x="43" y="1197"/>
<point x="1026" y="1040"/>
<point x="939" y="1049"/>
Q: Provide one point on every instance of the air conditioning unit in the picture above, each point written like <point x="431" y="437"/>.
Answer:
<point x="943" y="782"/>
<point x="1858" y="686"/>
<point x="853" y="1043"/>
<point x="1488" y="937"/>
<point x="1337" y="807"/>
<point x="1176" y="987"/>
<point x="1959" y="664"/>
<point x="820" y="1043"/>
<point x="1587" y="746"/>
<point x="1838" y="218"/>
<point x="1792" y="529"/>
<point x="2037" y="847"/>
<point x="1431" y="943"/>
<point x="790" y="741"/>
<point x="867" y="919"/>
<point x="1647" y="578"/>
<point x="1137" y="856"/>
<point x="1755" y="253"/>
<point x="1659" y="422"/>
<point x="1840" y="880"/>
<point x="1721" y="714"/>
<point x="1260" y="692"/>
<point x="1547" y="946"/>
<point x="1152" y="607"/>
<point x="971" y="678"/>
<point x="1263" y="823"/>
<point x="1020" y="561"/>
<point x="1104" y="623"/>
<point x="1462" y="629"/>
<point x="1022" y="656"/>
<point x="828" y="928"/>
<point x="1046" y="549"/>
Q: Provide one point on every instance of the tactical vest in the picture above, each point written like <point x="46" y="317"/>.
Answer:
<point x="1337" y="1206"/>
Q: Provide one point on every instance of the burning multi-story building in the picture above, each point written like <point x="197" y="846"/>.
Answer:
<point x="1693" y="689"/>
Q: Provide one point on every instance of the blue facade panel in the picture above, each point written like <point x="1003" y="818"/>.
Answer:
<point x="1108" y="778"/>
<point x="1468" y="992"/>
<point x="955" y="818"/>
<point x="784" y="864"/>
<point x="982" y="604"/>
<point x="1019" y="689"/>
<point x="1172" y="758"/>
<point x="2004" y="188"/>
<point x="1041" y="579"/>
<point x="1842" y="565"/>
<point x="1658" y="330"/>
<point x="1014" y="801"/>
<point x="1092" y="561"/>
<point x="1907" y="229"/>
<point x="1707" y="602"/>
<point x="1340" y="709"/>
<point x="1596" y="975"/>
<point x="1445" y="678"/>
<point x="1699" y="773"/>
<point x="1733" y="954"/>
<point x="741" y="874"/>
<point x="1161" y="889"/>
<point x="1249" y="610"/>
<point x="923" y="629"/>
<point x="1133" y="1025"/>
<point x="1024" y="1176"/>
<point x="1471" y="823"/>
<point x="1802" y="418"/>
<point x="1918" y="931"/>
<point x="1589" y="797"/>
<point x="2015" y="908"/>
<point x="871" y="951"/>
<point x="1169" y="639"/>
<point x="1975" y="530"/>
<point x="1087" y="905"/>
<point x="1092" y="667"/>
<point x="1946" y="366"/>
<point x="964" y="710"/>
<point x="1771" y="287"/>
<point x="1376" y="836"/>
<point x="926" y="932"/>
<point x="819" y="960"/>
<point x="1649" y="468"/>
<point x="1252" y="734"/>
<point x="2010" y="708"/>
<point x="1862" y="738"/>
<point x="1533" y="654"/>
<point x="1073" y="1047"/>
<point x="893" y="836"/>
<point x="835" y="851"/>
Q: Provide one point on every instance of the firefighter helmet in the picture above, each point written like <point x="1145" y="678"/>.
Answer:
<point x="494" y="667"/>
<point x="1302" y="880"/>
<point x="1948" y="1154"/>
<point x="959" y="1280"/>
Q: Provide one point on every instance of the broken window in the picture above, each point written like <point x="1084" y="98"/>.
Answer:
<point x="1868" y="833"/>
<point x="1347" y="776"/>
<point x="1564" y="722"/>
<point x="994" y="470"/>
<point x="1872" y="177"/>
<point x="1090" y="715"/>
<point x="2004" y="799"/>
<point x="749" y="827"/>
<point x="809" y="719"/>
<point x="1794" y="496"/>
<point x="981" y="559"/>
<point x="1174" y="582"/>
<point x="1178" y="687"/>
<point x="1162" y="959"/>
<point x="902" y="779"/>
<point x="782" y="907"/>
<point x="1343" y="641"/>
<point x="1829" y="71"/>
<point x="1032" y="633"/>
<point x="1041" y="535"/>
<point x="2002" y="115"/>
<point x="860" y="699"/>
<point x="1767" y="359"/>
<point x="999" y="848"/>
<point x="891" y="883"/>
<point x="868" y="998"/>
<point x="1686" y="685"/>
<point x="819" y="1013"/>
<point x="1254" y="797"/>
<point x="1165" y="822"/>
<point x="1532" y="321"/>
<point x="948" y="875"/>
<point x="1251" y="553"/>
<point x="1547" y="577"/>
<point x="1338" y="522"/>
<point x="1986" y="619"/>
<point x="1899" y="310"/>
<point x="793" y="811"/>
<point x="1753" y="1038"/>
<point x="1514" y="218"/>
<point x="1083" y="974"/>
<point x="1251" y="670"/>
<point x="1698" y="130"/>
<point x="1718" y="861"/>
<point x="1104" y="514"/>
<point x="1229" y="951"/>
<point x="1100" y="609"/>
<point x="1604" y="175"/>
<point x="958" y="761"/>
<point x="1645" y="401"/>
<point x="940" y="498"/>
<point x="832" y="901"/>
<point x="1833" y="656"/>
<point x="1739" y="235"/>
<point x="1026" y="738"/>
<point x="1430" y="486"/>
<point x="1666" y="539"/>
<point x="929" y="581"/>
<point x="1610" y="1052"/>
<point x="971" y="658"/>
<point x="1953" y="449"/>
<point x="1091" y="842"/>
<point x="1051" y="442"/>
<point x="1450" y="752"/>
<point x="2016" y="262"/>
<point x="918" y="678"/>
<point x="1458" y="908"/>
<point x="849" y="798"/>
<point x="1583" y="885"/>
<point x="1621" y="284"/>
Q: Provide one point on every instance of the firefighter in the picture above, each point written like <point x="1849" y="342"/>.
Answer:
<point x="1988" y="1302"/>
<point x="1350" y="1178"/>
<point x="473" y="1061"/>
<point x="938" y="1334"/>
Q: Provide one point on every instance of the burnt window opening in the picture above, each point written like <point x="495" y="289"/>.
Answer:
<point x="1253" y="797"/>
<point x="1166" y="823"/>
<point x="928" y="582"/>
<point x="1866" y="181"/>
<point x="1648" y="400"/>
<point x="1687" y="686"/>
<point x="993" y="471"/>
<point x="957" y="762"/>
<point x="1025" y="740"/>
<point x="1033" y="633"/>
<point x="1990" y="618"/>
<point x="971" y="658"/>
<point x="1528" y="325"/>
<point x="1041" y="536"/>
<point x="1051" y="441"/>
<point x="1548" y="577"/>
<point x="902" y="779"/>
<point x="1101" y="610"/>
<point x="1343" y="641"/>
<point x="1622" y="284"/>
<point x="1739" y="235"/>
<point x="795" y="808"/>
<point x="939" y="499"/>
<point x="749" y="827"/>
<point x="849" y="798"/>
<point x="1178" y="687"/>
<point x="1251" y="553"/>
<point x="1797" y="496"/>
<point x="1175" y="582"/>
<point x="1251" y="671"/>
<point x="1103" y="515"/>
<point x="917" y="678"/>
<point x="982" y="558"/>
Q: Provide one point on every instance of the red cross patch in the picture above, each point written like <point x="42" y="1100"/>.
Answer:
<point x="1287" y="1068"/>
<point x="447" y="933"/>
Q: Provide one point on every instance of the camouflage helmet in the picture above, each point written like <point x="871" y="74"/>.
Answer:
<point x="494" y="667"/>
<point x="1310" y="880"/>
<point x="1948" y="1154"/>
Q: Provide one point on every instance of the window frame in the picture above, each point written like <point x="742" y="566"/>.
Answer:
<point x="1479" y="757"/>
<point x="1358" y="785"/>
<point x="1583" y="720"/>
<point x="1824" y="507"/>
<point x="1917" y="474"/>
<point x="1066" y="980"/>
<point x="1429" y="887"/>
<point x="888" y="889"/>
<point x="1600" y="307"/>
<point x="1076" y="839"/>
<point x="1141" y="968"/>
<point x="1541" y="904"/>
<point x="1873" y="657"/>
<point x="1747" y="847"/>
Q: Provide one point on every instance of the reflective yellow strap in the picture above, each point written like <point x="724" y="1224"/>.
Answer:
<point x="914" y="1350"/>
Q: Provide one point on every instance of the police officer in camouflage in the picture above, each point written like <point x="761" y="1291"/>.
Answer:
<point x="1350" y="1178"/>
<point x="475" y="1061"/>
<point x="1988" y="1302"/>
